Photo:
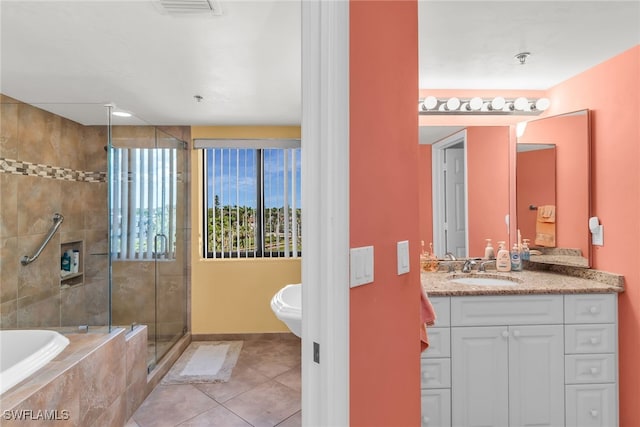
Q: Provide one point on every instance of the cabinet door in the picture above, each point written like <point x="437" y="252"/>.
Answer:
<point x="536" y="375"/>
<point x="479" y="376"/>
<point x="436" y="408"/>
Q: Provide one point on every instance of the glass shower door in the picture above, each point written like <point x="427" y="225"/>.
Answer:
<point x="148" y="231"/>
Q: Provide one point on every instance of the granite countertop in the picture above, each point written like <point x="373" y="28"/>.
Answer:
<point x="565" y="281"/>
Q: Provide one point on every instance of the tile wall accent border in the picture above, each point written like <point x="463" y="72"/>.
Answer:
<point x="18" y="167"/>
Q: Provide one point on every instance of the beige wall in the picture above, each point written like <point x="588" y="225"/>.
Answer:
<point x="233" y="296"/>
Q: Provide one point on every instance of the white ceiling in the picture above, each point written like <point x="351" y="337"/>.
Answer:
<point x="73" y="56"/>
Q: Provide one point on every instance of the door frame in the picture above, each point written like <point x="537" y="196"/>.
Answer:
<point x="438" y="189"/>
<point x="325" y="203"/>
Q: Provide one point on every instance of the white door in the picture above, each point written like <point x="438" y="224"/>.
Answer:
<point x="455" y="202"/>
<point x="449" y="195"/>
<point x="536" y="376"/>
<point x="479" y="376"/>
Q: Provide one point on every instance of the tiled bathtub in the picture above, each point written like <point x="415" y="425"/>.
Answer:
<point x="98" y="380"/>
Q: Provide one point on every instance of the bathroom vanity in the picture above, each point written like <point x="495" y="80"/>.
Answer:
<point x="543" y="352"/>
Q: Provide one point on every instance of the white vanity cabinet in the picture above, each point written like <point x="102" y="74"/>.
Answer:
<point x="522" y="360"/>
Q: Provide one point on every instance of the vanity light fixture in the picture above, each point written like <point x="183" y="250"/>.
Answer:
<point x="478" y="106"/>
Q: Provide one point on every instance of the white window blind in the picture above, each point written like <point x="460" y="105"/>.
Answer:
<point x="143" y="201"/>
<point x="251" y="199"/>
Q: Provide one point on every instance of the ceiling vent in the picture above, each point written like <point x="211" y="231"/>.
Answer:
<point x="188" y="7"/>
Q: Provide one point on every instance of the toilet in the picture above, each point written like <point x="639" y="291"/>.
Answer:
<point x="287" y="306"/>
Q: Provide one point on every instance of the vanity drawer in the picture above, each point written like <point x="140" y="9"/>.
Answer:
<point x="441" y="305"/>
<point x="435" y="408"/>
<point x="593" y="405"/>
<point x="590" y="338"/>
<point x="507" y="310"/>
<point x="590" y="308"/>
<point x="590" y="368"/>
<point x="439" y="343"/>
<point x="435" y="373"/>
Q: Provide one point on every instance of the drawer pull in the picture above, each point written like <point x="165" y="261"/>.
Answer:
<point x="505" y="334"/>
<point x="516" y="334"/>
<point x="426" y="375"/>
<point x="594" y="371"/>
<point x="593" y="413"/>
<point x="593" y="309"/>
<point x="594" y="340"/>
<point x="425" y="420"/>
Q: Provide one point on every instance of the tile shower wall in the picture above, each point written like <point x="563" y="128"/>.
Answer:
<point x="50" y="164"/>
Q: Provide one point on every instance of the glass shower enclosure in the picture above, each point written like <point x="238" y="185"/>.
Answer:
<point x="148" y="207"/>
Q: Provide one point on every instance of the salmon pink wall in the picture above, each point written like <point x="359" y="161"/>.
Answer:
<point x="535" y="185"/>
<point x="570" y="134"/>
<point x="384" y="315"/>
<point x="487" y="186"/>
<point x="610" y="90"/>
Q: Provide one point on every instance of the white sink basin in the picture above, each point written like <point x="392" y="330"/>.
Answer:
<point x="484" y="281"/>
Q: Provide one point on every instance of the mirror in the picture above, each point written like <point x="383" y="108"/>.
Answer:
<point x="490" y="194"/>
<point x="535" y="188"/>
<point x="552" y="171"/>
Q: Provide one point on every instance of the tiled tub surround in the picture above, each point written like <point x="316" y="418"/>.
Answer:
<point x="99" y="380"/>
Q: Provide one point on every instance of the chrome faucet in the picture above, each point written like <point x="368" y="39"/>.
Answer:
<point x="483" y="265"/>
<point x="468" y="266"/>
<point x="450" y="256"/>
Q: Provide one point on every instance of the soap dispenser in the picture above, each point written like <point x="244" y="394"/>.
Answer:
<point x="516" y="262"/>
<point x="488" y="251"/>
<point x="526" y="254"/>
<point x="503" y="261"/>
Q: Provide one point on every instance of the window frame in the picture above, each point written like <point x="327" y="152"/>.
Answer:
<point x="260" y="145"/>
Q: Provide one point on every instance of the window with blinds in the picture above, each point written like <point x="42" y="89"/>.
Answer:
<point x="143" y="203"/>
<point x="251" y="199"/>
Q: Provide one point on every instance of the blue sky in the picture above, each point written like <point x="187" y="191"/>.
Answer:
<point x="240" y="165"/>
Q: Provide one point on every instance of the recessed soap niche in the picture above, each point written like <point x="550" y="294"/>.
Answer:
<point x="68" y="279"/>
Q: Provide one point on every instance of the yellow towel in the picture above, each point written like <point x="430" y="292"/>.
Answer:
<point x="546" y="213"/>
<point x="546" y="226"/>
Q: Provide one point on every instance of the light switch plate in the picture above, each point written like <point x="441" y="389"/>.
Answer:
<point x="361" y="265"/>
<point x="403" y="257"/>
<point x="597" y="236"/>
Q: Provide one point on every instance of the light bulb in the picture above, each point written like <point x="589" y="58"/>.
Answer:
<point x="453" y="104"/>
<point x="497" y="103"/>
<point x="430" y="102"/>
<point x="520" y="103"/>
<point x="121" y="114"/>
<point x="475" y="103"/>
<point x="542" y="104"/>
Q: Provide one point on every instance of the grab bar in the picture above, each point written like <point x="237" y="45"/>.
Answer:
<point x="57" y="220"/>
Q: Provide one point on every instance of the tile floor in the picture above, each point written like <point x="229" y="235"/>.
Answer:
<point x="264" y="391"/>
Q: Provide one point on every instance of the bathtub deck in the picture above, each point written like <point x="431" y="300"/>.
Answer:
<point x="92" y="380"/>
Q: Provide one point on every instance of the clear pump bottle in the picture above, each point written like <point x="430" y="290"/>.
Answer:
<point x="489" y="253"/>
<point x="525" y="255"/>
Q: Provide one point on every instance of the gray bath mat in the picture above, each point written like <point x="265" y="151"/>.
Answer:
<point x="204" y="362"/>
